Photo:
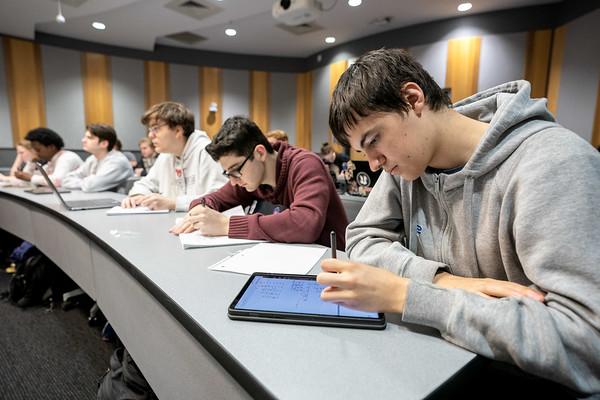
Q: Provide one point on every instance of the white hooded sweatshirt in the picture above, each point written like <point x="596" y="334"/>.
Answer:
<point x="183" y="178"/>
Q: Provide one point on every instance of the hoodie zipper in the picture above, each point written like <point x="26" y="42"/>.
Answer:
<point x="446" y="226"/>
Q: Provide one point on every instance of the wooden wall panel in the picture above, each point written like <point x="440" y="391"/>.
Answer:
<point x="97" y="88"/>
<point x="25" y="86"/>
<point x="537" y="61"/>
<point x="462" y="66"/>
<point x="156" y="81"/>
<point x="303" y="109"/>
<point x="335" y="71"/>
<point x="260" y="99"/>
<point x="210" y="81"/>
<point x="558" y="47"/>
<point x="596" y="127"/>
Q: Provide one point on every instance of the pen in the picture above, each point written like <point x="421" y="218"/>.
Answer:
<point x="333" y="242"/>
<point x="252" y="207"/>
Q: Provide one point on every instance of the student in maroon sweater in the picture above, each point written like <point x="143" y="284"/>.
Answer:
<point x="293" y="179"/>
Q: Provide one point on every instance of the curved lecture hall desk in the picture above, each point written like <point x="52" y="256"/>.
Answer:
<point x="170" y="311"/>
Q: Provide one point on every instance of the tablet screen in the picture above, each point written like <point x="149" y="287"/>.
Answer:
<point x="292" y="295"/>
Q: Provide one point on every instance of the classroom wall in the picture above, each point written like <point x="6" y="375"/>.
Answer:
<point x="282" y="110"/>
<point x="580" y="75"/>
<point x="63" y="93"/>
<point x="183" y="83"/>
<point x="5" y="125"/>
<point x="433" y="58"/>
<point x="236" y="93"/>
<point x="502" y="59"/>
<point x="128" y="99"/>
<point x="320" y="107"/>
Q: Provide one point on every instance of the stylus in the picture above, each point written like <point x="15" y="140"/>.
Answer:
<point x="333" y="242"/>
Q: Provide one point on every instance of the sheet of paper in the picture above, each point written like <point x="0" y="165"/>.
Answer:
<point x="196" y="240"/>
<point x="237" y="210"/>
<point x="118" y="210"/>
<point x="272" y="257"/>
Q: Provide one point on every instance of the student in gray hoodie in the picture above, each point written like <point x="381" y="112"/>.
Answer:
<point x="484" y="225"/>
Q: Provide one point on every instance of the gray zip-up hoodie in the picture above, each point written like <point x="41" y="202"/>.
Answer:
<point x="525" y="208"/>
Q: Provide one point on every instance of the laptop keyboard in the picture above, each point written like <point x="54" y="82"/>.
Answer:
<point x="93" y="202"/>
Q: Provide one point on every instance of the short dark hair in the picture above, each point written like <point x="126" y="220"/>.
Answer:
<point x="172" y="114"/>
<point x="372" y="84"/>
<point x="46" y="137"/>
<point x="103" y="132"/>
<point x="238" y="136"/>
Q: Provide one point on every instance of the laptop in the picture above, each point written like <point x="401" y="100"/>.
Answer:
<point x="76" y="205"/>
<point x="45" y="190"/>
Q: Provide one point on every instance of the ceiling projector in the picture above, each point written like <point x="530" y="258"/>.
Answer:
<point x="296" y="12"/>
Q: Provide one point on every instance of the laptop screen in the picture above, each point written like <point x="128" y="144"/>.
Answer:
<point x="40" y="167"/>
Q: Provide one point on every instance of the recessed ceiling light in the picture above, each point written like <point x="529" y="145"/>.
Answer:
<point x="98" y="25"/>
<point x="329" y="39"/>
<point x="354" y="3"/>
<point x="230" y="32"/>
<point x="464" y="7"/>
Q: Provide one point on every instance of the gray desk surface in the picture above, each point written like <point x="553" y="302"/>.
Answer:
<point x="283" y="361"/>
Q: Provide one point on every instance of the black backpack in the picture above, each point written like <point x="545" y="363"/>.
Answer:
<point x="30" y="281"/>
<point x="123" y="380"/>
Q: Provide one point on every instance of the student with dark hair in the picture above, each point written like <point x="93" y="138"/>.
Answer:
<point x="183" y="170"/>
<point x="106" y="168"/>
<point x="483" y="225"/>
<point x="308" y="207"/>
<point x="48" y="146"/>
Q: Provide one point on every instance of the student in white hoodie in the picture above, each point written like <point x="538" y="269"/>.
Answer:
<point x="48" y="145"/>
<point x="484" y="224"/>
<point x="184" y="170"/>
<point x="105" y="168"/>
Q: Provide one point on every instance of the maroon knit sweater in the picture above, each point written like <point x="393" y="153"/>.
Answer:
<point x="304" y="186"/>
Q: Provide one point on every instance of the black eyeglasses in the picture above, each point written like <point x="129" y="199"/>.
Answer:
<point x="237" y="171"/>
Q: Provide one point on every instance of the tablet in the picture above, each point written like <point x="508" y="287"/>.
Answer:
<point x="295" y="299"/>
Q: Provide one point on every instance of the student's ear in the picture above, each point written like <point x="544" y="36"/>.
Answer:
<point x="414" y="96"/>
<point x="103" y="143"/>
<point x="260" y="152"/>
<point x="179" y="132"/>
